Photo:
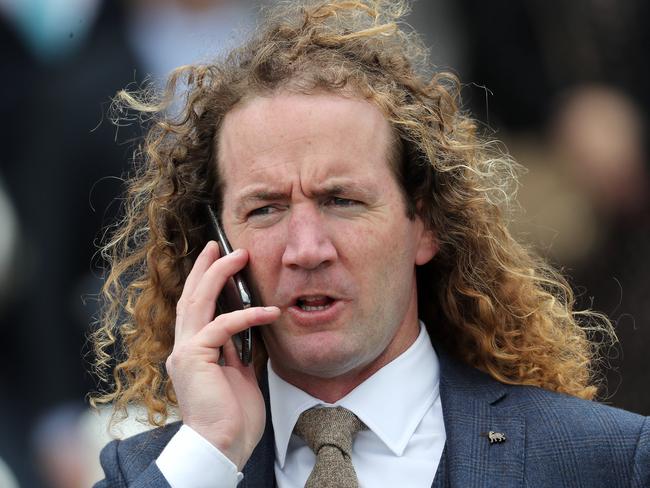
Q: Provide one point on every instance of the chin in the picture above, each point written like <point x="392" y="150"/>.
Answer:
<point x="321" y="356"/>
<point x="321" y="361"/>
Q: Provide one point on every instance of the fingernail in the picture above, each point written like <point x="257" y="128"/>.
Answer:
<point x="271" y="309"/>
<point x="237" y="252"/>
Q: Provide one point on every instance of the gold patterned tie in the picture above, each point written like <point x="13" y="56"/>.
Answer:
<point x="329" y="432"/>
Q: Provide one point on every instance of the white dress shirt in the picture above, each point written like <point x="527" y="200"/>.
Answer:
<point x="403" y="445"/>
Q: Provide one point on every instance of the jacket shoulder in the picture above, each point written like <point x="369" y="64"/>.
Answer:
<point x="567" y="431"/>
<point x="127" y="459"/>
<point x="550" y="409"/>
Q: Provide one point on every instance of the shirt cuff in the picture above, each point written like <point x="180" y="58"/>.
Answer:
<point x="190" y="461"/>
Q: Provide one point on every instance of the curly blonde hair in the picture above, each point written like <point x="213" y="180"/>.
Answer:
<point x="486" y="298"/>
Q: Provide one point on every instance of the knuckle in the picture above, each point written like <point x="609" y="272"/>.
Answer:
<point x="195" y="301"/>
<point x="179" y="353"/>
<point x="218" y="324"/>
<point x="222" y="325"/>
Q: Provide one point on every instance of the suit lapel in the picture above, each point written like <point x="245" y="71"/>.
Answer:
<point x="259" y="471"/>
<point x="472" y="405"/>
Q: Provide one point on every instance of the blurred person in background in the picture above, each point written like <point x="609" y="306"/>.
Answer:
<point x="8" y="244"/>
<point x="62" y="163"/>
<point x="20" y="72"/>
<point x="51" y="30"/>
<point x="7" y="479"/>
<point x="59" y="448"/>
<point x="8" y="415"/>
<point x="599" y="134"/>
<point x="565" y="84"/>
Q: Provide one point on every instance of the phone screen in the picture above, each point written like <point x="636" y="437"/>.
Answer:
<point x="235" y="294"/>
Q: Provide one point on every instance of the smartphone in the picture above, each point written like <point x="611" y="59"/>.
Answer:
<point x="236" y="294"/>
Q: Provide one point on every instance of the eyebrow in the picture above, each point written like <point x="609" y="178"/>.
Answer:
<point x="258" y="195"/>
<point x="352" y="189"/>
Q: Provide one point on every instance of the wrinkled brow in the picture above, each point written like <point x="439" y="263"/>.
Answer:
<point x="258" y="195"/>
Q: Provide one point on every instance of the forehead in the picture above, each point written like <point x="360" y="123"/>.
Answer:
<point x="321" y="135"/>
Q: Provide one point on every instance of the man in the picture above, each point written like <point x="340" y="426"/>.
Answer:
<point x="360" y="201"/>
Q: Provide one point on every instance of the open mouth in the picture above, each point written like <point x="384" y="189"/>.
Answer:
<point x="314" y="303"/>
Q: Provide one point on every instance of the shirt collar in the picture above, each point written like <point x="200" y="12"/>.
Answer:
<point x="392" y="402"/>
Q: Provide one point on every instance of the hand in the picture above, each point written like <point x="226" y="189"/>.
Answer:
<point x="222" y="403"/>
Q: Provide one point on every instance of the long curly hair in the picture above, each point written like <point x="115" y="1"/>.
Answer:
<point x="486" y="298"/>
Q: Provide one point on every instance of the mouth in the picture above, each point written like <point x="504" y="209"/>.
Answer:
<point x="315" y="310"/>
<point x="314" y="303"/>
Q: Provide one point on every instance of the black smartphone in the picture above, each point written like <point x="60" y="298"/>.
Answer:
<point x="235" y="294"/>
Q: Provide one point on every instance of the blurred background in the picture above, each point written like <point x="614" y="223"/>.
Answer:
<point x="563" y="84"/>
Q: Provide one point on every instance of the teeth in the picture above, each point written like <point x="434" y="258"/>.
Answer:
<point x="309" y="308"/>
<point x="314" y="303"/>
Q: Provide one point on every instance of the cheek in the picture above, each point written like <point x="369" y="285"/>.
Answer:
<point x="382" y="245"/>
<point x="265" y="257"/>
<point x="377" y="256"/>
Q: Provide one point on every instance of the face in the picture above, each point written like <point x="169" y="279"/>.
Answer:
<point x="309" y="192"/>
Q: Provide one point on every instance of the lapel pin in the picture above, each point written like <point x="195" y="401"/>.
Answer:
<point x="494" y="437"/>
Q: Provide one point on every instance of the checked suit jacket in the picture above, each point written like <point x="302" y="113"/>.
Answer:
<point x="552" y="440"/>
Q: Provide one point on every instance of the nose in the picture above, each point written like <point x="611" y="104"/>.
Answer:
<point x="308" y="244"/>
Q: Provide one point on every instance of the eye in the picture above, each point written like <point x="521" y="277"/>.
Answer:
<point x="342" y="202"/>
<point x="266" y="212"/>
<point x="262" y="211"/>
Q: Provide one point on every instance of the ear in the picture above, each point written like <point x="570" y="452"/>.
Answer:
<point x="427" y="247"/>
<point x="428" y="244"/>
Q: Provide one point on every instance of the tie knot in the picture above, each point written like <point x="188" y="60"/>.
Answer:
<point x="333" y="426"/>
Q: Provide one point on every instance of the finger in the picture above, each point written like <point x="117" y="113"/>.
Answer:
<point x="208" y="255"/>
<point x="201" y="305"/>
<point x="218" y="332"/>
<point x="231" y="354"/>
<point x="232" y="359"/>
